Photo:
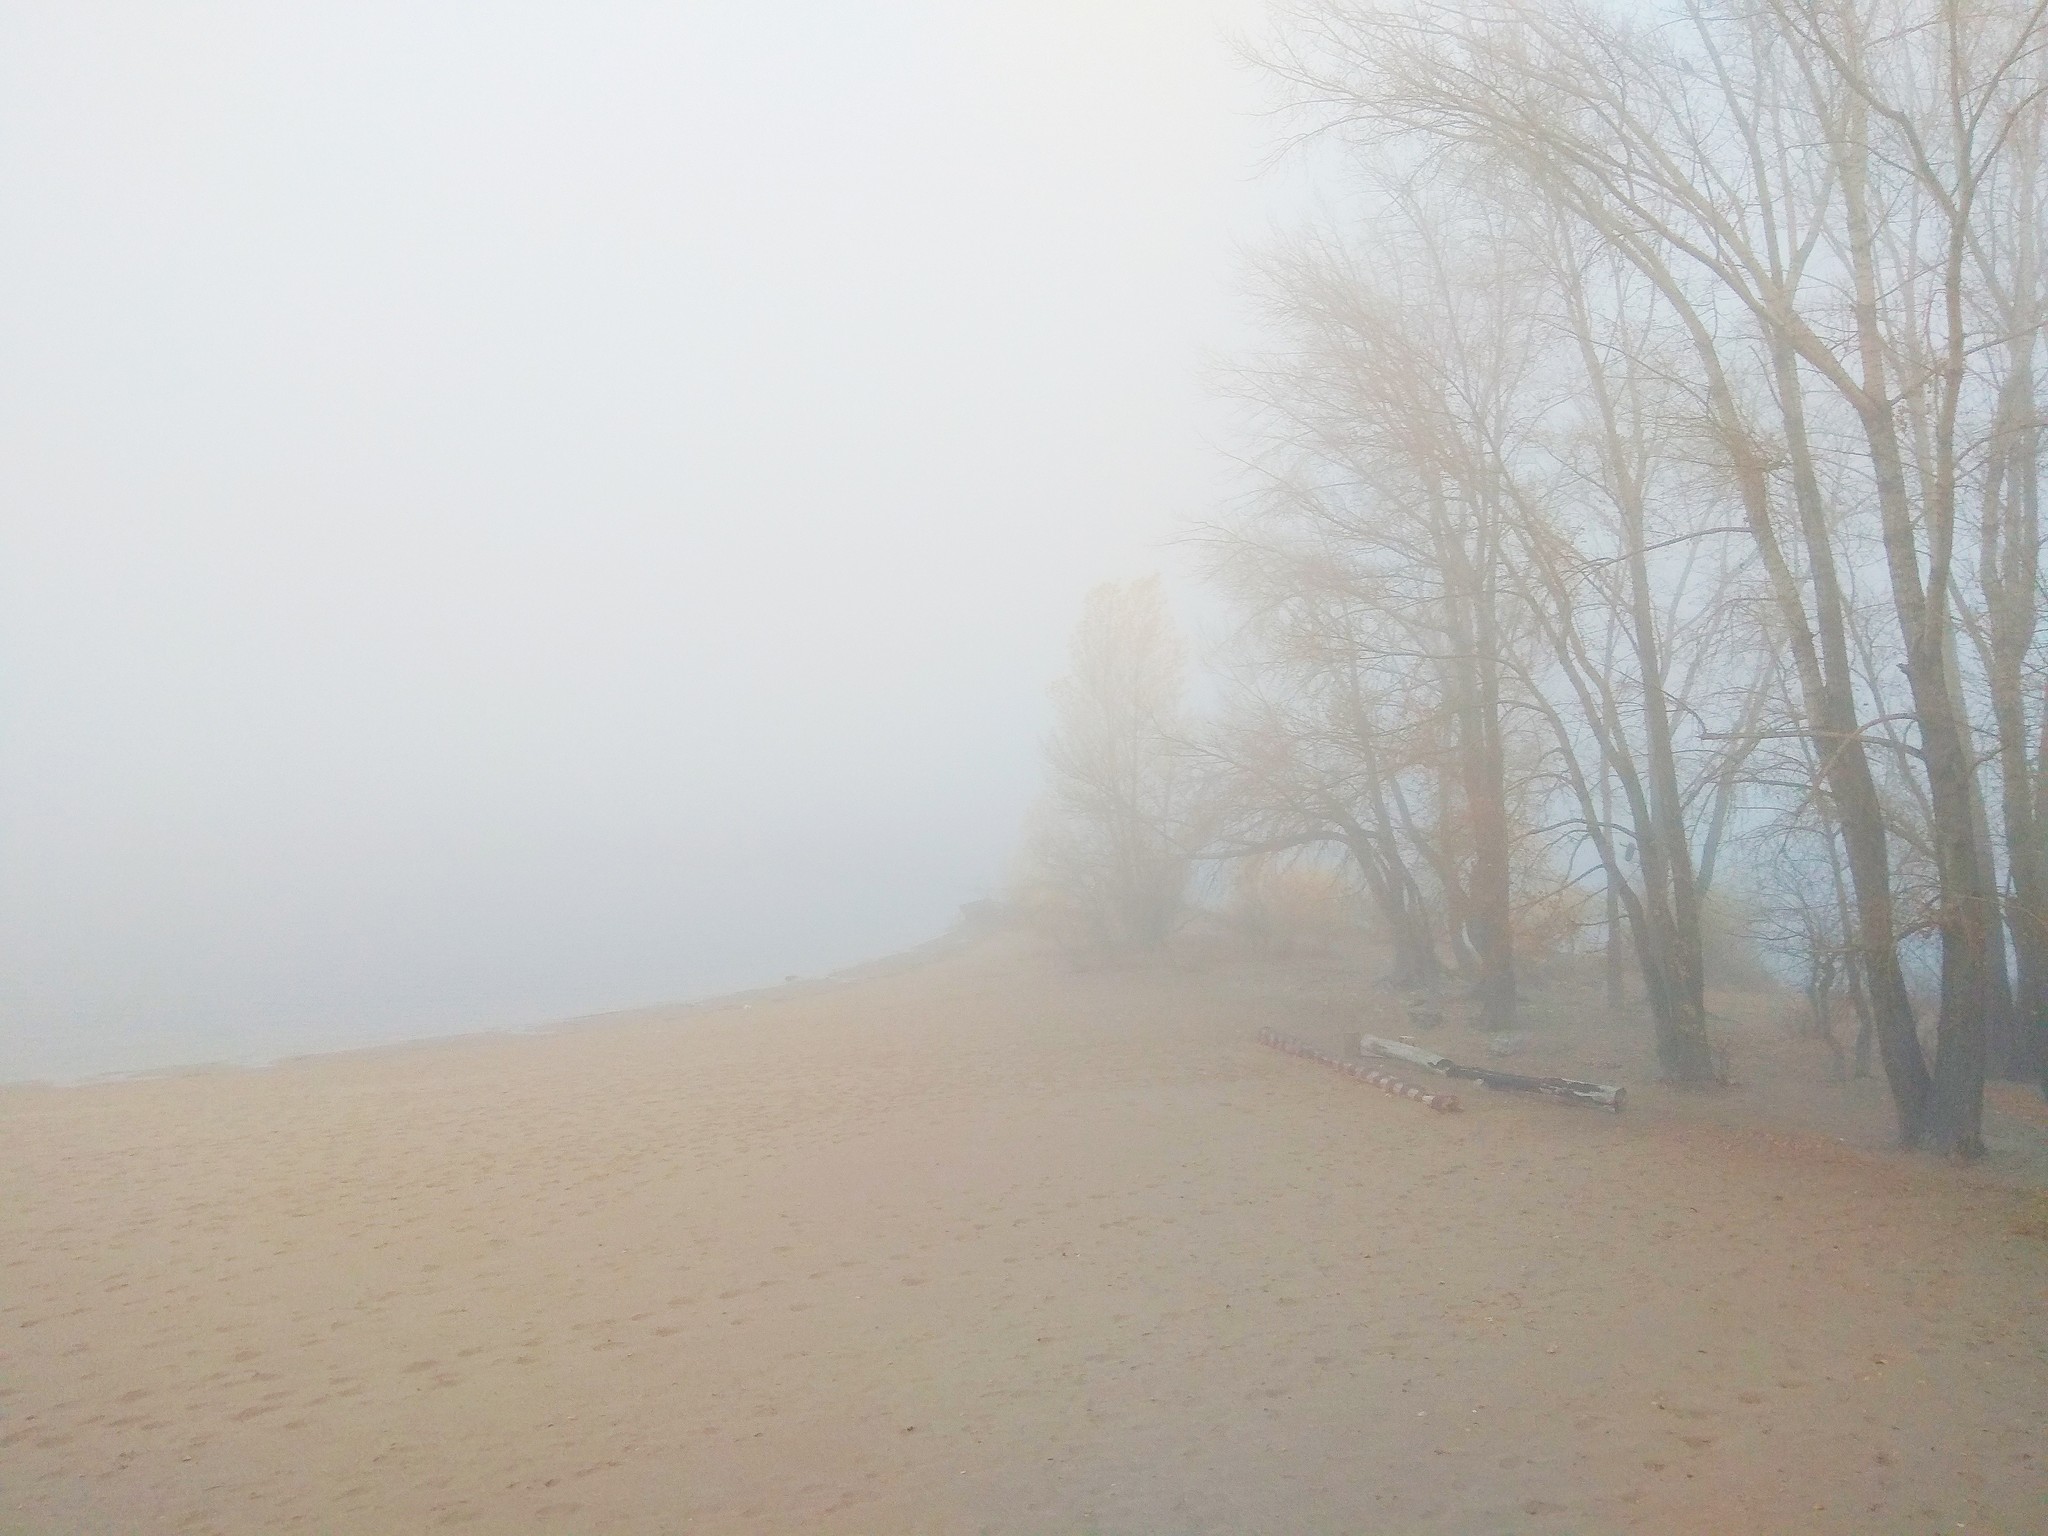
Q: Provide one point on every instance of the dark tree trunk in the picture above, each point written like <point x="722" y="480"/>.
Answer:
<point x="1470" y="559"/>
<point x="1827" y="692"/>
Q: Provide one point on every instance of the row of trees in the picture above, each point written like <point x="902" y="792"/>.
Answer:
<point x="1648" y="497"/>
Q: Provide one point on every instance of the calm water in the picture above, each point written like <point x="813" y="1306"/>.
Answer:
<point x="162" y="988"/>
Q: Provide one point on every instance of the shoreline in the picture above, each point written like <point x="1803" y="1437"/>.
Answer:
<point x="918" y="954"/>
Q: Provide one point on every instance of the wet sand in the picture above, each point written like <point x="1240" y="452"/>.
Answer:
<point x="989" y="1246"/>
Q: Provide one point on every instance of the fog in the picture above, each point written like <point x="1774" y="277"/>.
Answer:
<point x="1474" y="586"/>
<point x="523" y="511"/>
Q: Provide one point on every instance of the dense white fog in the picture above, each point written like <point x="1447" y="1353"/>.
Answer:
<point x="521" y="510"/>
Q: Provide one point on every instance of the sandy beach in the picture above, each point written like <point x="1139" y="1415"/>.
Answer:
<point x="988" y="1245"/>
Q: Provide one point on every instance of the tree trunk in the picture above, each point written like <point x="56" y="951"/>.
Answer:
<point x="1469" y="561"/>
<point x="1827" y="692"/>
<point x="1413" y="955"/>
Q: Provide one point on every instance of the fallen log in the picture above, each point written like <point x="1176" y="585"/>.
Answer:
<point x="1401" y="1050"/>
<point x="1601" y="1095"/>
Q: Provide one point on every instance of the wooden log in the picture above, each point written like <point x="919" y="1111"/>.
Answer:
<point x="1400" y="1050"/>
<point x="1601" y="1095"/>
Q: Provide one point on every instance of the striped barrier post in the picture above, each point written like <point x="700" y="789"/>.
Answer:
<point x="1379" y="1080"/>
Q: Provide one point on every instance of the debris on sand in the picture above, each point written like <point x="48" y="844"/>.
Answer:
<point x="1602" y="1095"/>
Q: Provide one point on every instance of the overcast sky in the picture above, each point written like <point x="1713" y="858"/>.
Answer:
<point x="519" y="509"/>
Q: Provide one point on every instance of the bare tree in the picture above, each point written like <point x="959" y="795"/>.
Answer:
<point x="1469" y="433"/>
<point x="1308" y="751"/>
<point x="1620" y="506"/>
<point x="2002" y="617"/>
<point x="1393" y="419"/>
<point x="1108" y="847"/>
